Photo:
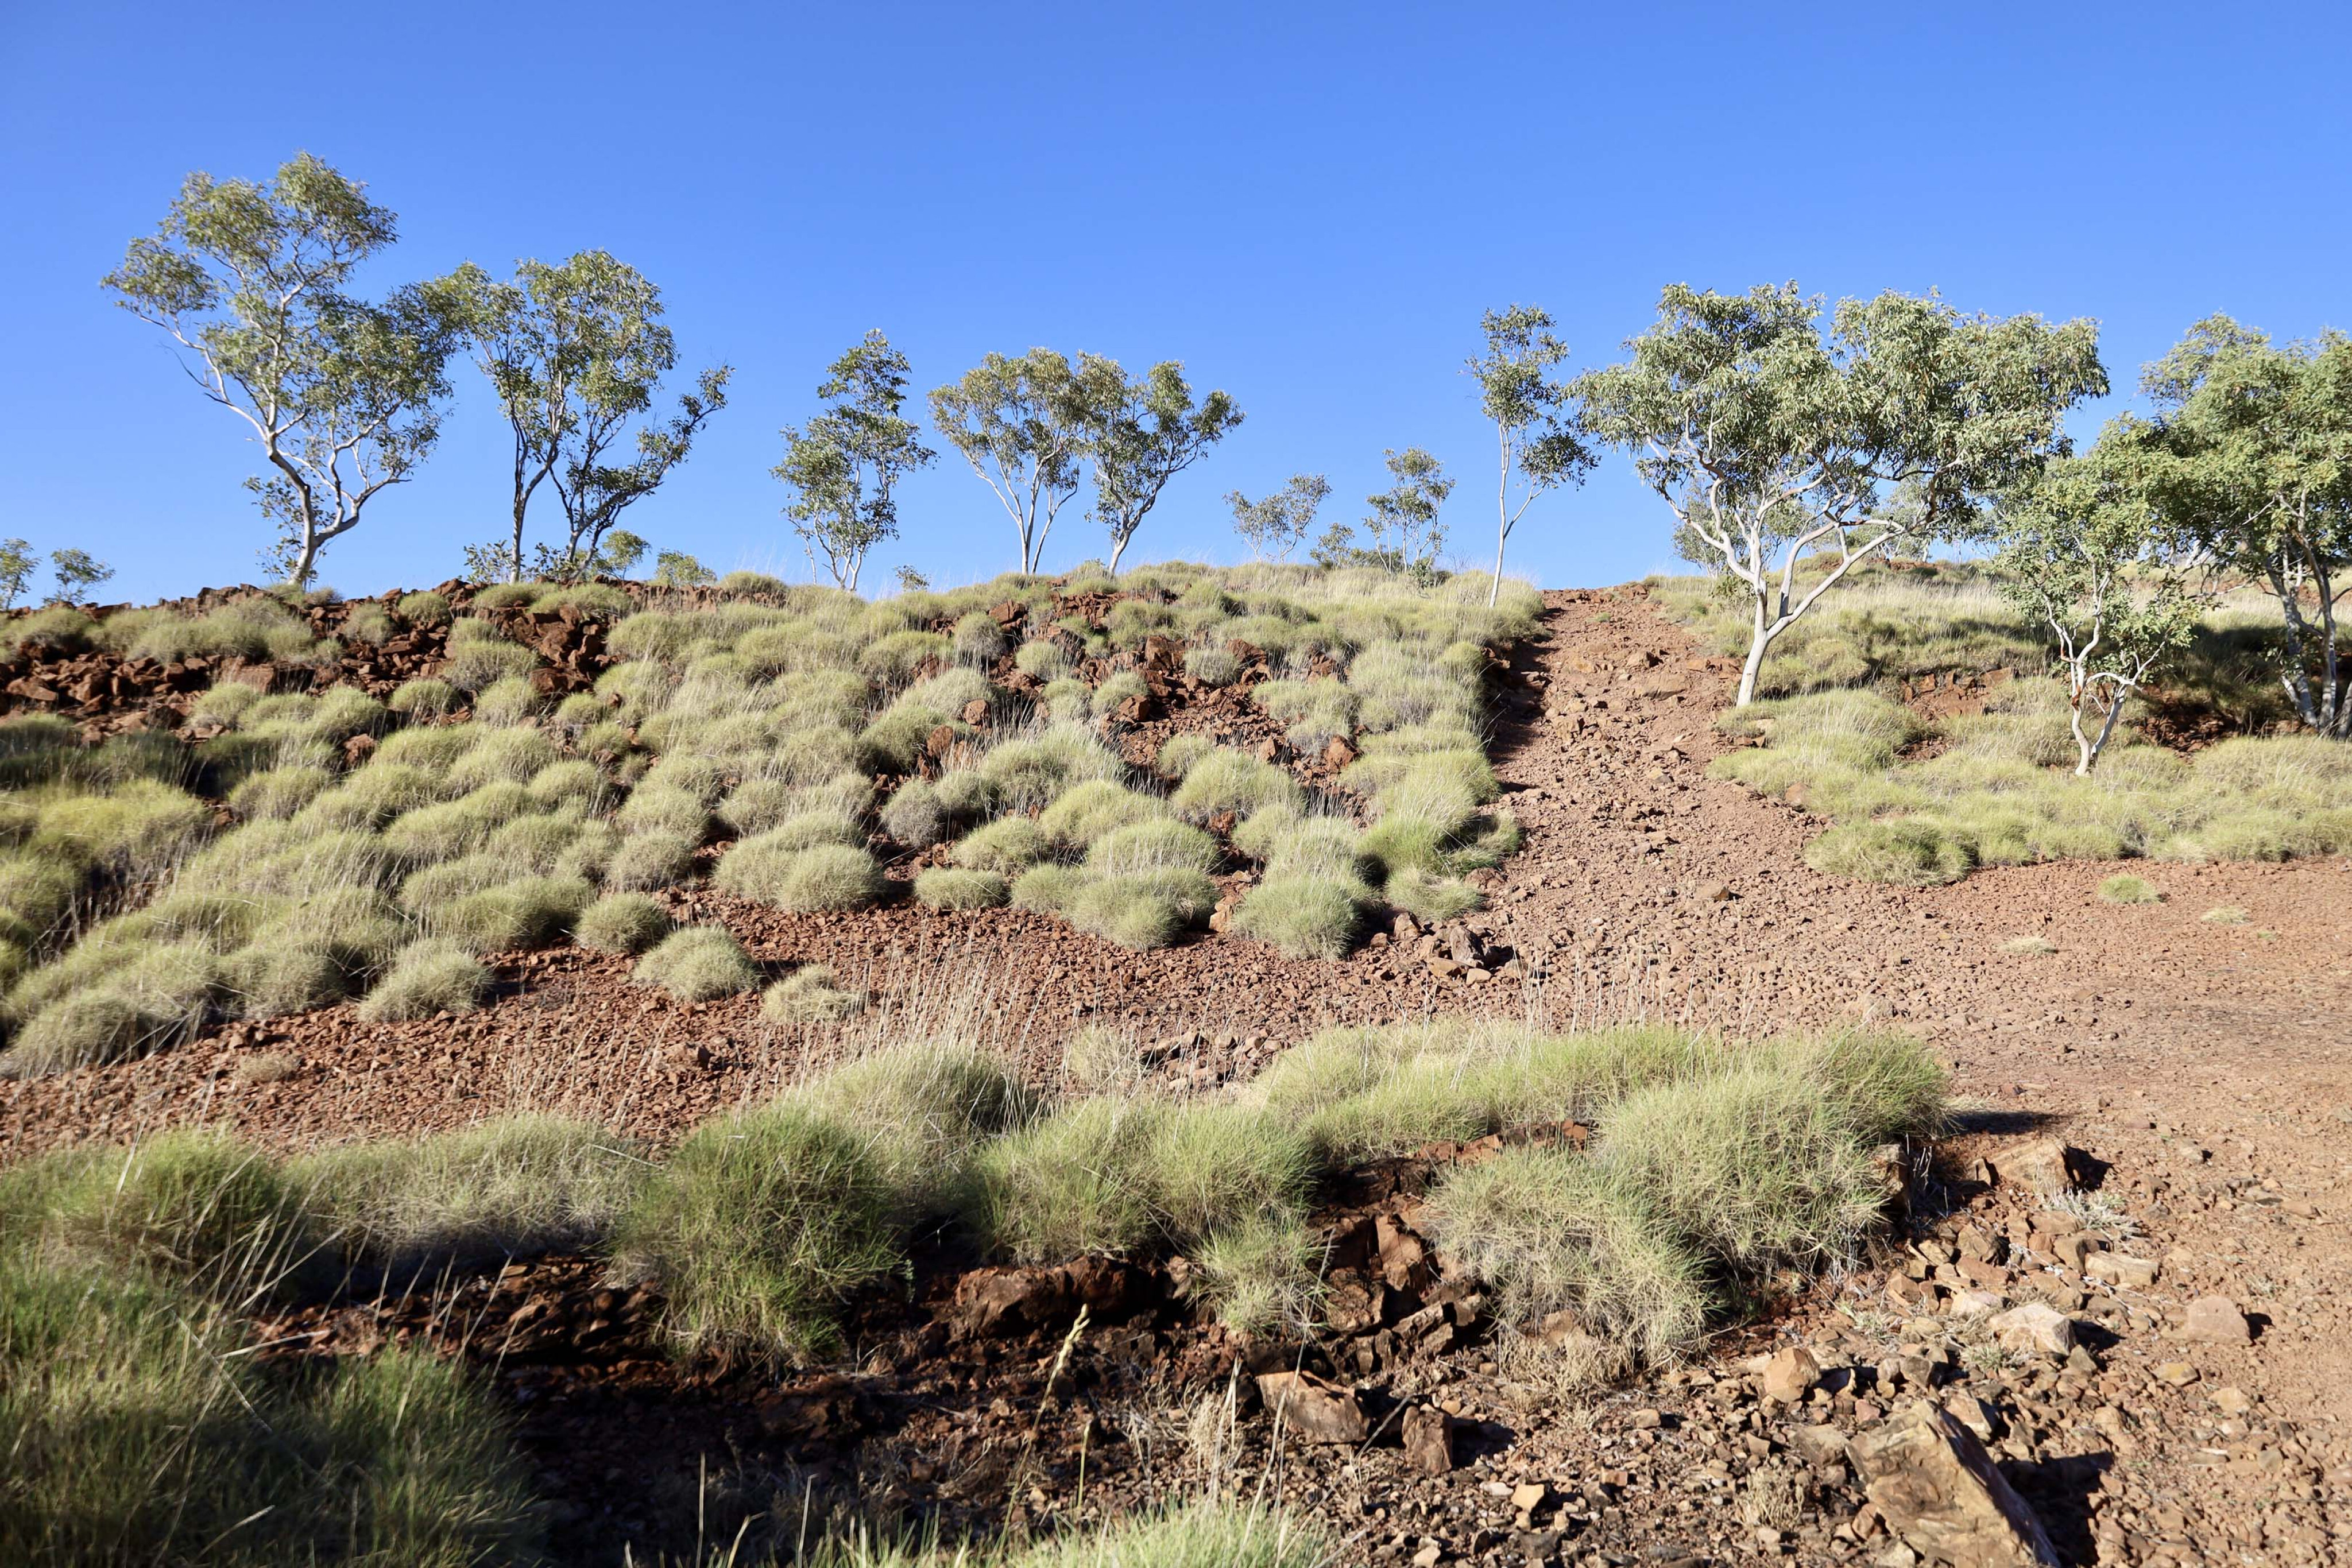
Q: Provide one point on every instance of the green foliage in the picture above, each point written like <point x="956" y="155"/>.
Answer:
<point x="340" y="391"/>
<point x="825" y="876"/>
<point x="509" y="1188"/>
<point x="271" y="981"/>
<point x="429" y="978"/>
<point x="1141" y="436"/>
<point x="810" y="995"/>
<point x="1262" y="1275"/>
<point x="952" y="887"/>
<point x="190" y="1205"/>
<point x="1278" y="524"/>
<point x="622" y="923"/>
<point x="761" y="1226"/>
<point x="1226" y="780"/>
<point x="1307" y="915"/>
<point x="1072" y="1184"/>
<point x="843" y="468"/>
<point x="698" y="964"/>
<point x="172" y="1445"/>
<point x="1553" y="1231"/>
<point x="2245" y="456"/>
<point x="1767" y="438"/>
<point x="2129" y="890"/>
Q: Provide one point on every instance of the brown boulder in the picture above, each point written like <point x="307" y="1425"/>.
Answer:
<point x="1429" y="1439"/>
<point x="1006" y="1300"/>
<point x="1931" y="1482"/>
<point x="1790" y="1374"/>
<point x="1318" y="1411"/>
<point x="2046" y="1165"/>
<point x="2215" y="1319"/>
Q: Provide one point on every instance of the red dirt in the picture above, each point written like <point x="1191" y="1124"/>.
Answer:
<point x="2205" y="1061"/>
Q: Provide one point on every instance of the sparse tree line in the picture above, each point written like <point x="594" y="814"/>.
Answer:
<point x="1791" y="442"/>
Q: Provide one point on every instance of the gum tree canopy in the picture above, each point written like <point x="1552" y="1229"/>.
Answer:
<point x="576" y="352"/>
<point x="342" y="393"/>
<point x="843" y="468"/>
<point x="1770" y="439"/>
<point x="2251" y="456"/>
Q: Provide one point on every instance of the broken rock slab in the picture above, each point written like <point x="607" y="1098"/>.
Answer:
<point x="2216" y="1319"/>
<point x="1317" y="1410"/>
<point x="1931" y="1482"/>
<point x="1429" y="1439"/>
<point x="2035" y="1329"/>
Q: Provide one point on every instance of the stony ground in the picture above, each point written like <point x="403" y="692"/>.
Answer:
<point x="2200" y="1066"/>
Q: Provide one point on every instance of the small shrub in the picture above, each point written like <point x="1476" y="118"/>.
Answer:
<point x="979" y="640"/>
<point x="2028" y="946"/>
<point x="1006" y="846"/>
<point x="276" y="794"/>
<point x="761" y="1226"/>
<point x="528" y="912"/>
<point x="1227" y="780"/>
<point x="506" y="701"/>
<point x="190" y="1204"/>
<point x="2226" y="915"/>
<point x="1047" y="889"/>
<point x="1098" y="1060"/>
<point x="2129" y="889"/>
<point x="424" y="608"/>
<point x="509" y="1188"/>
<point x="810" y="995"/>
<point x="1179" y="754"/>
<point x="825" y="876"/>
<point x="1433" y="900"/>
<point x="1904" y="851"/>
<point x="1753" y="1164"/>
<point x="1262" y="1275"/>
<point x="657" y="858"/>
<point x="1210" y="1167"/>
<point x="698" y="964"/>
<point x="925" y="1105"/>
<point x="1211" y="667"/>
<point x="1139" y="912"/>
<point x="1093" y="808"/>
<point x="1549" y="1231"/>
<point x="1070" y="1184"/>
<point x="916" y="817"/>
<point x="1152" y="845"/>
<point x="1042" y="660"/>
<point x="954" y="887"/>
<point x="271" y="981"/>
<point x="622" y="923"/>
<point x="1304" y="914"/>
<point x="429" y="978"/>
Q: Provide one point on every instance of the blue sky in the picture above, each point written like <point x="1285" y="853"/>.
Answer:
<point x="1309" y="205"/>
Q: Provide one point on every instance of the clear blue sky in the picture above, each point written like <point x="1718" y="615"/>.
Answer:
<point x="1309" y="205"/>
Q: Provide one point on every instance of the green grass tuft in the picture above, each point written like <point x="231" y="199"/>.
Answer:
<point x="761" y="1226"/>
<point x="622" y="923"/>
<point x="698" y="964"/>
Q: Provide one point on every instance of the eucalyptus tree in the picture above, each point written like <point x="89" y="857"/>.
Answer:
<point x="1024" y="424"/>
<point x="1276" y="525"/>
<point x="573" y="353"/>
<point x="341" y="394"/>
<point x="1405" y="535"/>
<point x="2251" y="454"/>
<point x="2089" y="560"/>
<point x="1537" y="440"/>
<point x="843" y="468"/>
<point x="1770" y="439"/>
<point x="1142" y="434"/>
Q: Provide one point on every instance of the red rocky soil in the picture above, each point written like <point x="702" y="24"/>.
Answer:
<point x="2198" y="1068"/>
